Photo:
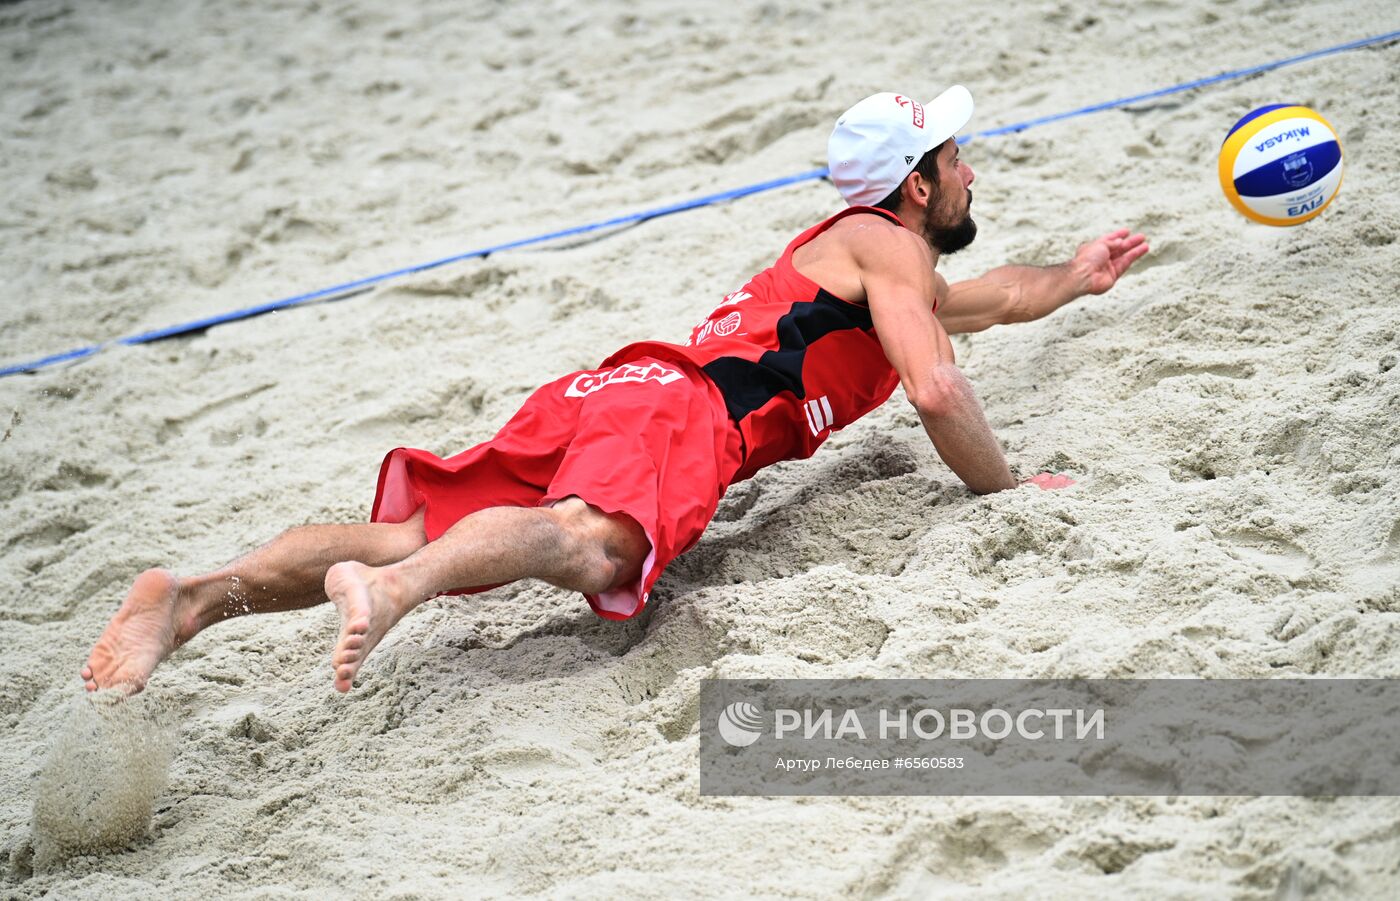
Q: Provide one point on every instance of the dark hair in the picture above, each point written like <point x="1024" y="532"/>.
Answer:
<point x="927" y="166"/>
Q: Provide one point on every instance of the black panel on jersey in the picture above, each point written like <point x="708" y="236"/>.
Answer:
<point x="748" y="385"/>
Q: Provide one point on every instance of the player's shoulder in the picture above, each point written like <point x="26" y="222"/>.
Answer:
<point x="866" y="224"/>
<point x="875" y="241"/>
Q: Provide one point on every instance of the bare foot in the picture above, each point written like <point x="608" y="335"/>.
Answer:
<point x="369" y="602"/>
<point x="141" y="635"/>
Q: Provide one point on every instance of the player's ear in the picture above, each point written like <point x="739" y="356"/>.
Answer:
<point x="916" y="189"/>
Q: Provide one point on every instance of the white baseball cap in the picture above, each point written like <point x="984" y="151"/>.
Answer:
<point x="878" y="141"/>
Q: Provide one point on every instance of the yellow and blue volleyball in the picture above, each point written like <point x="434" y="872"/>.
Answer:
<point x="1281" y="165"/>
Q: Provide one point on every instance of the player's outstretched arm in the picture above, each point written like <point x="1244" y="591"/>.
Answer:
<point x="1010" y="294"/>
<point x="897" y="273"/>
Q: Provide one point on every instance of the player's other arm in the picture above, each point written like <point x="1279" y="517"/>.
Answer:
<point x="897" y="273"/>
<point x="1010" y="294"/>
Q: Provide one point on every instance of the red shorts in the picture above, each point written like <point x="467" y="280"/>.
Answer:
<point x="646" y="438"/>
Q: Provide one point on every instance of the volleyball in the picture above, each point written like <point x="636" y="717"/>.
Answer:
<point x="1281" y="164"/>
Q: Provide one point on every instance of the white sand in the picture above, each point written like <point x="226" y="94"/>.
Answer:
<point x="1232" y="413"/>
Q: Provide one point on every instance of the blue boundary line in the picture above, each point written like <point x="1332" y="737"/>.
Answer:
<point x="657" y="212"/>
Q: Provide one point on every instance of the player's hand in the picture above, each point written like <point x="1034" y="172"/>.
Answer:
<point x="1047" y="481"/>
<point x="1099" y="264"/>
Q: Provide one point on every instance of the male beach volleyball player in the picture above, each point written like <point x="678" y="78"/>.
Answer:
<point x="603" y="477"/>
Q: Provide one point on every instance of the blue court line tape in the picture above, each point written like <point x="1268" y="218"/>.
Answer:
<point x="346" y="287"/>
<point x="336" y="291"/>
<point x="1191" y="85"/>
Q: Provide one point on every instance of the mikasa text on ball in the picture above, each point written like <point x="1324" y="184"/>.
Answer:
<point x="1281" y="165"/>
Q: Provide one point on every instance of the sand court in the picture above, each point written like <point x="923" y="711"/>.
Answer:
<point x="1229" y="413"/>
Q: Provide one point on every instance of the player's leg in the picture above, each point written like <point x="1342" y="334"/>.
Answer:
<point x="163" y="611"/>
<point x="571" y="544"/>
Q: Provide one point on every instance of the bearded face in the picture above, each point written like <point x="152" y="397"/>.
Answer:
<point x="948" y="226"/>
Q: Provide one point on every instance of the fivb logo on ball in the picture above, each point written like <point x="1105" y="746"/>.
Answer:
<point x="1281" y="165"/>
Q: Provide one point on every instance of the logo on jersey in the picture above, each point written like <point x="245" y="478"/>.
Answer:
<point x="724" y="326"/>
<point x="728" y="325"/>
<point x="819" y="417"/>
<point x="918" y="109"/>
<point x="588" y="382"/>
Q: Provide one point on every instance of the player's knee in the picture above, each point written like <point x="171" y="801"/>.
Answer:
<point x="598" y="560"/>
<point x="597" y="575"/>
<point x="591" y="569"/>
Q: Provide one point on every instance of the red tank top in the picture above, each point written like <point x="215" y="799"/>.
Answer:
<point x="793" y="361"/>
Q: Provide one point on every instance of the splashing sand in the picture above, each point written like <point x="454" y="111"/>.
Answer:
<point x="106" y="766"/>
